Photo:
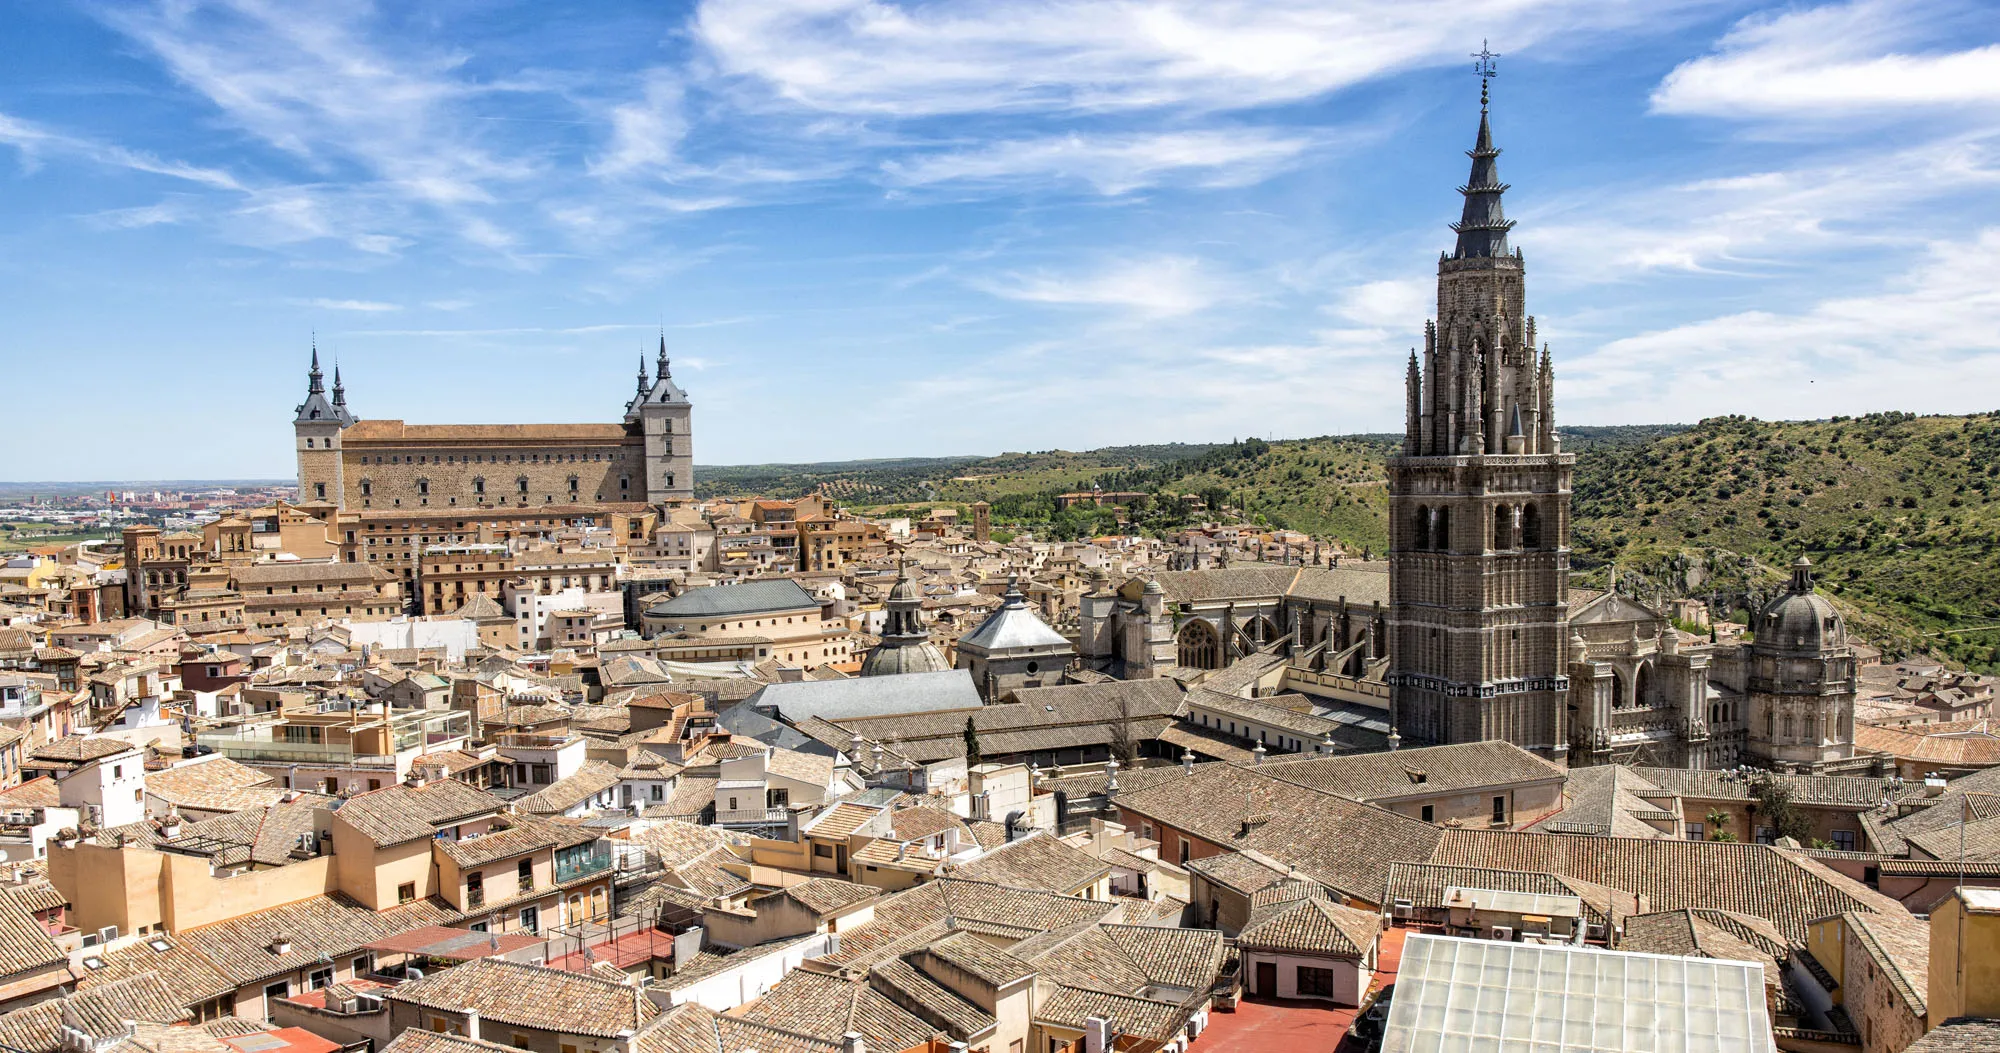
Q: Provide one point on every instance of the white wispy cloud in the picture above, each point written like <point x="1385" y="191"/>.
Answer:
<point x="968" y="56"/>
<point x="34" y="140"/>
<point x="1111" y="163"/>
<point x="1930" y="340"/>
<point x="1153" y="286"/>
<point x="1766" y="217"/>
<point x="364" y="306"/>
<point x="316" y="83"/>
<point x="1838" y="61"/>
<point x="161" y="214"/>
<point x="646" y="130"/>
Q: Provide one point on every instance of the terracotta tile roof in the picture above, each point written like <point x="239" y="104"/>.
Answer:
<point x="1787" y="888"/>
<point x="531" y="996"/>
<point x="1312" y="925"/>
<point x="100" y="1012"/>
<point x="525" y="833"/>
<point x="693" y="1028"/>
<point x="36" y="895"/>
<point x="691" y="797"/>
<point x="24" y="945"/>
<point x="1858" y="791"/>
<point x="417" y="1040"/>
<point x="1968" y="743"/>
<point x="844" y="818"/>
<point x="76" y="749"/>
<point x="149" y="1037"/>
<point x="976" y="957"/>
<point x="914" y="917"/>
<point x="216" y="784"/>
<point x="265" y="835"/>
<point x="827" y="1007"/>
<point x="1979" y="840"/>
<point x="188" y="976"/>
<point x="1071" y="1006"/>
<point x="673" y="842"/>
<point x="823" y="895"/>
<point x="1960" y="1034"/>
<point x="1244" y="872"/>
<point x="1039" y="861"/>
<point x="1342" y="844"/>
<point x="933" y="1002"/>
<point x="560" y="796"/>
<point x="1429" y="771"/>
<point x="395" y="814"/>
<point x="331" y="925"/>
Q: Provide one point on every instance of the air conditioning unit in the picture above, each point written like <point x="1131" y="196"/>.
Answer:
<point x="1593" y="932"/>
<point x="107" y="933"/>
<point x="1502" y="932"/>
<point x="1405" y="908"/>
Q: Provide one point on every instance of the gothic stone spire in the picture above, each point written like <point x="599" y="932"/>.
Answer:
<point x="1483" y="225"/>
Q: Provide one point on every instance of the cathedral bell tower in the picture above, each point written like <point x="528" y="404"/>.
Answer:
<point x="1479" y="501"/>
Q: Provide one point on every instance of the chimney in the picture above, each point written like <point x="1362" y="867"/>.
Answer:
<point x="1187" y="762"/>
<point x="852" y="1043"/>
<point x="1257" y="753"/>
<point x="280" y="944"/>
<point x="1097" y="1035"/>
<point x="472" y="1024"/>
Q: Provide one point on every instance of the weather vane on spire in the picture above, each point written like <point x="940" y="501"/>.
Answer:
<point x="1486" y="70"/>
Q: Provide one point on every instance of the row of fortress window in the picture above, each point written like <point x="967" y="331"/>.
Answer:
<point x="526" y="458"/>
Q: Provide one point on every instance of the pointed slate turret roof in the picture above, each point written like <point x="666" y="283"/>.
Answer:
<point x="662" y="388"/>
<point x="1482" y="227"/>
<point x="316" y="407"/>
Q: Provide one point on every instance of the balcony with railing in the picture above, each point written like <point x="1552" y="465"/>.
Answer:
<point x="577" y="864"/>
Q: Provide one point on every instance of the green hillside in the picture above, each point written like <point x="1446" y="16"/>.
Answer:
<point x="1896" y="509"/>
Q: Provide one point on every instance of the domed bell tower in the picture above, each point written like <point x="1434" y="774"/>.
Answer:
<point x="1801" y="679"/>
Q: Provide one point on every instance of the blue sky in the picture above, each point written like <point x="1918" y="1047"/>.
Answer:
<point x="881" y="229"/>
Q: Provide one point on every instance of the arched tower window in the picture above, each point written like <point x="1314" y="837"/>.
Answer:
<point x="1531" y="526"/>
<point x="1503" y="527"/>
<point x="1199" y="646"/>
<point x="1441" y="530"/>
<point x="1261" y="630"/>
<point x="1420" y="528"/>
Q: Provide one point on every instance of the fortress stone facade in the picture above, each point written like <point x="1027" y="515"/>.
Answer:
<point x="362" y="465"/>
